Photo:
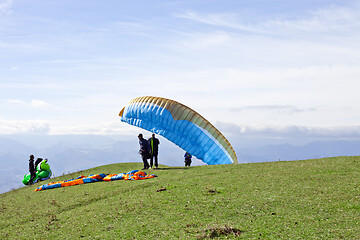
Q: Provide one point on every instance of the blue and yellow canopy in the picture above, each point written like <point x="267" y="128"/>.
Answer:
<point x="182" y="126"/>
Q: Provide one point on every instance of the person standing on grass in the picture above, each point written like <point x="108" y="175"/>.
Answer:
<point x="187" y="159"/>
<point x="144" y="150"/>
<point x="154" y="146"/>
<point x="31" y="169"/>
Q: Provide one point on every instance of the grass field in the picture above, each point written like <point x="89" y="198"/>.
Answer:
<point x="311" y="199"/>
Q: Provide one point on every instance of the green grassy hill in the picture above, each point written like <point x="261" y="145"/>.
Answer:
<point x="279" y="200"/>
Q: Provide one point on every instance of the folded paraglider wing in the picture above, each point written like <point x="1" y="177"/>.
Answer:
<point x="182" y="126"/>
<point x="132" y="175"/>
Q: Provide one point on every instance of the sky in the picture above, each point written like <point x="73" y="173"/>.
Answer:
<point x="251" y="67"/>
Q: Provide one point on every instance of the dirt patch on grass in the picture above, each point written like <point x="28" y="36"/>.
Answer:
<point x="218" y="231"/>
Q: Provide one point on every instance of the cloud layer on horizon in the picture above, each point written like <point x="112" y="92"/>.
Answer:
<point x="259" y="131"/>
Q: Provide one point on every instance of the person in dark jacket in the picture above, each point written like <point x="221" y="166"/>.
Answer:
<point x="154" y="147"/>
<point x="187" y="159"/>
<point x="144" y="150"/>
<point x="31" y="169"/>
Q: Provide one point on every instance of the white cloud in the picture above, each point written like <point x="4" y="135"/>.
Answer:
<point x="291" y="131"/>
<point x="21" y="127"/>
<point x="304" y="87"/>
<point x="204" y="41"/>
<point x="221" y="20"/>
<point x="100" y="128"/>
<point x="14" y="68"/>
<point x="5" y="6"/>
<point x="16" y="101"/>
<point x="66" y="128"/>
<point x="39" y="104"/>
<point x="331" y="19"/>
<point x="35" y="103"/>
<point x="286" y="109"/>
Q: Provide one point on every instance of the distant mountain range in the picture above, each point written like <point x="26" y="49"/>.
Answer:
<point x="70" y="153"/>
<point x="287" y="152"/>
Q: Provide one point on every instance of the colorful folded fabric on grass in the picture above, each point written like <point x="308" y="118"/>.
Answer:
<point x="132" y="175"/>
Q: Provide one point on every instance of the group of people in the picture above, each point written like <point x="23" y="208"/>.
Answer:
<point x="149" y="149"/>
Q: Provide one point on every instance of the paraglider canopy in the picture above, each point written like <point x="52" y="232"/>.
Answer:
<point x="43" y="172"/>
<point x="182" y="126"/>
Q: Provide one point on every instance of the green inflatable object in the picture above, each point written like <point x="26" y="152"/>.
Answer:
<point x="43" y="172"/>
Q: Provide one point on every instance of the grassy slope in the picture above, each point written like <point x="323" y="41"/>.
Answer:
<point x="279" y="200"/>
